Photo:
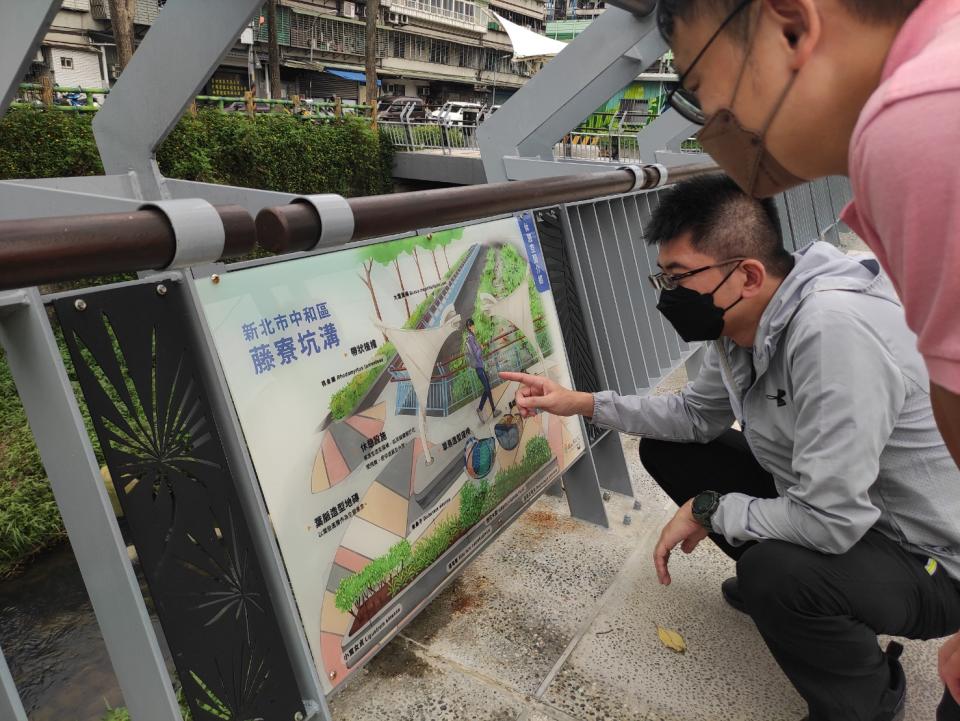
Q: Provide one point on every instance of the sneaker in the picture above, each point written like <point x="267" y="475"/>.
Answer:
<point x="480" y="416"/>
<point x="730" y="589"/>
<point x="496" y="413"/>
<point x="892" y="706"/>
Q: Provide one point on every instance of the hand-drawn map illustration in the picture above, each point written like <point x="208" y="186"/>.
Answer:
<point x="385" y="442"/>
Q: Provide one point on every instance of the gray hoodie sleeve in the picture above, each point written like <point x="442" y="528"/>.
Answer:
<point x="848" y="393"/>
<point x="700" y="413"/>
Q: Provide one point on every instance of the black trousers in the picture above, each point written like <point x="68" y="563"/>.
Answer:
<point x="819" y="614"/>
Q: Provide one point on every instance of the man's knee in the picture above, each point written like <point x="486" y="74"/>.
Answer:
<point x="656" y="455"/>
<point x="776" y="576"/>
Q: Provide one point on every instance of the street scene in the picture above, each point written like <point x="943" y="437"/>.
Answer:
<point x="487" y="360"/>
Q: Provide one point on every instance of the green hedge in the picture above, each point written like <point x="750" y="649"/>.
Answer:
<point x="271" y="151"/>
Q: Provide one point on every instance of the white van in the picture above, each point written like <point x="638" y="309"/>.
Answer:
<point x="456" y="112"/>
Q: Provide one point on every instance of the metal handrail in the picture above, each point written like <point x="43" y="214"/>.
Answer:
<point x="48" y="250"/>
<point x="39" y="251"/>
<point x="296" y="227"/>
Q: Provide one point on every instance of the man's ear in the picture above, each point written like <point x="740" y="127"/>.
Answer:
<point x="756" y="276"/>
<point x="799" y="25"/>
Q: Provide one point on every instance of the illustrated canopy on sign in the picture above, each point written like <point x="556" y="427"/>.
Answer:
<point x="419" y="349"/>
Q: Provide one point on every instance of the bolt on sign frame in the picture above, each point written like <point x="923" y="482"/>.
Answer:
<point x="145" y="360"/>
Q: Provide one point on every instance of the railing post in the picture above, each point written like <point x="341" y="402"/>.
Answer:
<point x="10" y="705"/>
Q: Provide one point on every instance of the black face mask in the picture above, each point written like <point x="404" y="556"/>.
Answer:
<point x="694" y="315"/>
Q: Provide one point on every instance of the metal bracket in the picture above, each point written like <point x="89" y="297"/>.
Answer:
<point x="182" y="49"/>
<point x="24" y="24"/>
<point x="336" y="218"/>
<point x="197" y="228"/>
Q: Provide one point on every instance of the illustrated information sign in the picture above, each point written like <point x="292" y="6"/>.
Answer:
<point x="387" y="446"/>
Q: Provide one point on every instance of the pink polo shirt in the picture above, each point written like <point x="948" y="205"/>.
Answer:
<point x="905" y="173"/>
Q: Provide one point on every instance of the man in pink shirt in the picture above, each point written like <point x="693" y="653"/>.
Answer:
<point x="793" y="90"/>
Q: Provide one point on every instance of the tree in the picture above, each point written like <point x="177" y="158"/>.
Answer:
<point x="367" y="264"/>
<point x="384" y="254"/>
<point x="273" y="48"/>
<point x="367" y="269"/>
<point x="412" y="249"/>
<point x="373" y="10"/>
<point x="431" y="245"/>
<point x="121" y="18"/>
<point x="444" y="238"/>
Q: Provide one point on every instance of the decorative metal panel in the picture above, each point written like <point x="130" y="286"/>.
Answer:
<point x="563" y="284"/>
<point x="135" y="364"/>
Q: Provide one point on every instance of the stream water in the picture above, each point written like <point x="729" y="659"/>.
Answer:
<point x="52" y="643"/>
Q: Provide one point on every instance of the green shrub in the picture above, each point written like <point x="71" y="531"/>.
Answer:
<point x="427" y="550"/>
<point x="273" y="151"/>
<point x="346" y="399"/>
<point x="355" y="589"/>
<point x="47" y="144"/>
<point x="472" y="498"/>
<point x="535" y="454"/>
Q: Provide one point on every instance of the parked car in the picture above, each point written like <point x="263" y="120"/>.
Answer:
<point x="401" y="107"/>
<point x="240" y="107"/>
<point x="456" y="112"/>
<point x="487" y="112"/>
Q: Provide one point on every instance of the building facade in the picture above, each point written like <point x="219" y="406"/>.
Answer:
<point x="437" y="49"/>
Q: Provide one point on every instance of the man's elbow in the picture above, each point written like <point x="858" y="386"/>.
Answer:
<point x="835" y="538"/>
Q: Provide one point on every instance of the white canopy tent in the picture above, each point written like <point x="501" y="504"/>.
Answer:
<point x="528" y="45"/>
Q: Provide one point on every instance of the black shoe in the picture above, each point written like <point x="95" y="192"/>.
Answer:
<point x="731" y="594"/>
<point x="894" y="699"/>
<point x="896" y="696"/>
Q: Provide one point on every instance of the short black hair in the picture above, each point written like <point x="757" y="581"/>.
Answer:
<point x="869" y="11"/>
<point x="470" y="323"/>
<point x="722" y="221"/>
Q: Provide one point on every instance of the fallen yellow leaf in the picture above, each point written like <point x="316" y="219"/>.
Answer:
<point x="671" y="639"/>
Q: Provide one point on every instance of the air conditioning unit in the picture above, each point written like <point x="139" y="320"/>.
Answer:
<point x="404" y="20"/>
<point x="349" y="9"/>
<point x="393" y="18"/>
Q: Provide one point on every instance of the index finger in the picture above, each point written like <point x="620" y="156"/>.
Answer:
<point x="526" y="378"/>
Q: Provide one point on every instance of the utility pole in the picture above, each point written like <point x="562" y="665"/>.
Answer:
<point x="121" y="18"/>
<point x="273" y="48"/>
<point x="373" y="10"/>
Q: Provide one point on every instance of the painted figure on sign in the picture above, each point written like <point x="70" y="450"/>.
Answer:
<point x="475" y="360"/>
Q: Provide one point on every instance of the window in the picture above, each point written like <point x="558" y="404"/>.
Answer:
<point x="419" y="48"/>
<point x="399" y="45"/>
<point x="439" y="52"/>
<point x="396" y="89"/>
<point x="423" y="91"/>
<point x="66" y="62"/>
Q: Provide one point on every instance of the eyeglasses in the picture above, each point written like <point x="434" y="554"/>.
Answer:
<point x="663" y="281"/>
<point x="682" y="100"/>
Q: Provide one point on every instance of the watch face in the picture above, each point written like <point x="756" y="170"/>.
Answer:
<point x="702" y="503"/>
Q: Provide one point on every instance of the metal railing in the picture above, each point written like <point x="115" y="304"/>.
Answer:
<point x="443" y="137"/>
<point x="81" y="99"/>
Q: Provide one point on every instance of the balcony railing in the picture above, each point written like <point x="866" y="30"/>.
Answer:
<point x="449" y="12"/>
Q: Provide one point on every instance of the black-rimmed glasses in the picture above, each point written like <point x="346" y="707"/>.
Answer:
<point x="664" y="281"/>
<point x="682" y="100"/>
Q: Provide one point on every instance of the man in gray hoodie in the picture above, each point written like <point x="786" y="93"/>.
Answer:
<point x="838" y="499"/>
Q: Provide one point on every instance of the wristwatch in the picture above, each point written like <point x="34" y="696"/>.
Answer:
<point x="704" y="506"/>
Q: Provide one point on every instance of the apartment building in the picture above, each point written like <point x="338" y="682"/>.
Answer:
<point x="437" y="49"/>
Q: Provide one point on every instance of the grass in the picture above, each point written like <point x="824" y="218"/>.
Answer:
<point x="29" y="519"/>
